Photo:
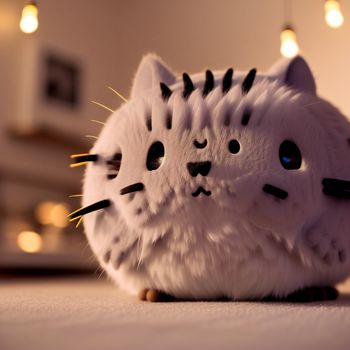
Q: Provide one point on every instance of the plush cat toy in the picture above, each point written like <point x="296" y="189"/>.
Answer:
<point x="223" y="184"/>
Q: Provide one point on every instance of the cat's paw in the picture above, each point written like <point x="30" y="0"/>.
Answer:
<point x="307" y="295"/>
<point x="154" y="296"/>
<point x="331" y="250"/>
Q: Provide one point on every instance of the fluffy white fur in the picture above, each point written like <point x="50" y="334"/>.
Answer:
<point x="240" y="242"/>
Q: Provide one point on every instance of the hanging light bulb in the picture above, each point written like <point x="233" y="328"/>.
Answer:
<point x="29" y="21"/>
<point x="333" y="14"/>
<point x="289" y="45"/>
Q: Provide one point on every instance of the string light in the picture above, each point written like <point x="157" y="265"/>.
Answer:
<point x="52" y="213"/>
<point x="333" y="14"/>
<point x="29" y="241"/>
<point x="289" y="44"/>
<point x="29" y="21"/>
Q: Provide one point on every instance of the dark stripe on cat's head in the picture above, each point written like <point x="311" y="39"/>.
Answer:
<point x="188" y="86"/>
<point x="248" y="81"/>
<point x="169" y="121"/>
<point x="227" y="81"/>
<point x="246" y="116"/>
<point x="149" y="122"/>
<point x="166" y="92"/>
<point x="209" y="83"/>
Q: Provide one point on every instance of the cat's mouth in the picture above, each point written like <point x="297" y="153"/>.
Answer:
<point x="200" y="190"/>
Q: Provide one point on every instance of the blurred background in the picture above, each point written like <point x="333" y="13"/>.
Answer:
<point x="49" y="77"/>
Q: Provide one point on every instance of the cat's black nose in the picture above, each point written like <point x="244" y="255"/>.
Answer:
<point x="196" y="168"/>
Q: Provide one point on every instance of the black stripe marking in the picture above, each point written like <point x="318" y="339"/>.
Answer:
<point x="248" y="81"/>
<point x="336" y="192"/>
<point x="91" y="208"/>
<point x="166" y="92"/>
<point x="336" y="188"/>
<point x="246" y="116"/>
<point x="149" y="123"/>
<point x="275" y="191"/>
<point x="85" y="158"/>
<point x="169" y="121"/>
<point x="139" y="186"/>
<point x="335" y="183"/>
<point x="209" y="83"/>
<point x="188" y="86"/>
<point x="227" y="81"/>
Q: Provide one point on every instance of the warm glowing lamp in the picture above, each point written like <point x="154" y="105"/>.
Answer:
<point x="51" y="213"/>
<point x="43" y="212"/>
<point x="333" y="14"/>
<point x="29" y="21"/>
<point x="29" y="241"/>
<point x="59" y="215"/>
<point x="289" y="45"/>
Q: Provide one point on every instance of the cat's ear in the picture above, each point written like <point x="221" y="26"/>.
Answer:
<point x="295" y="73"/>
<point x="151" y="72"/>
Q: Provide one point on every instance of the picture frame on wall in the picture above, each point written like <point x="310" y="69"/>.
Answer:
<point x="61" y="80"/>
<point x="52" y="103"/>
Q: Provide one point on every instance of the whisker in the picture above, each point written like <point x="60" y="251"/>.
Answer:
<point x="103" y="106"/>
<point x="79" y="222"/>
<point x="98" y="122"/>
<point x="336" y="188"/>
<point x="101" y="274"/>
<point x="335" y="183"/>
<point x="91" y="137"/>
<point x="75" y="219"/>
<point x="275" y="191"/>
<point x="83" y="159"/>
<point x="75" y="165"/>
<point x="336" y="192"/>
<point x="311" y="104"/>
<point x="140" y="254"/>
<point x="118" y="94"/>
<point x="105" y="203"/>
<point x="139" y="186"/>
<point x="75" y="195"/>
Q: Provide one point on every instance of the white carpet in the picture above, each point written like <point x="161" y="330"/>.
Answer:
<point x="92" y="314"/>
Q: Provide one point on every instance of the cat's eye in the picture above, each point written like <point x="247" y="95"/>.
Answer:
<point x="234" y="146"/>
<point x="155" y="156"/>
<point x="113" y="166"/>
<point x="290" y="155"/>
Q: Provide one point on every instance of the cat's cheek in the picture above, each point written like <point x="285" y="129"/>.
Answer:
<point x="277" y="214"/>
